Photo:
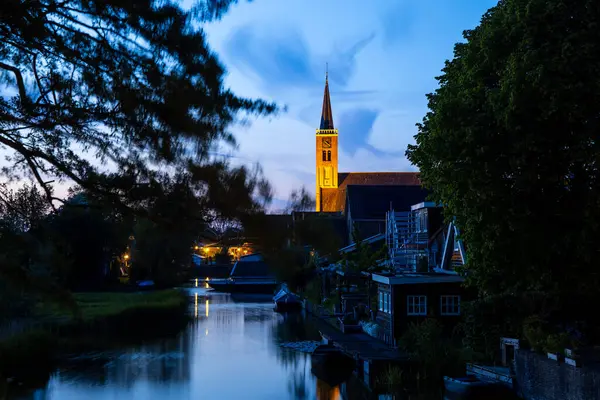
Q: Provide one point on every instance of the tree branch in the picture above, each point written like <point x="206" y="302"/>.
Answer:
<point x="20" y="81"/>
<point x="38" y="177"/>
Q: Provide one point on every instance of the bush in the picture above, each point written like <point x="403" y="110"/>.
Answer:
<point x="556" y="343"/>
<point x="535" y="331"/>
<point x="487" y="319"/>
<point x="435" y="352"/>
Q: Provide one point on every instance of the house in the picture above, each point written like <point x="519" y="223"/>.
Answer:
<point x="412" y="297"/>
<point x="422" y="282"/>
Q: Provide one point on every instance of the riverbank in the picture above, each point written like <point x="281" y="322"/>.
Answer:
<point x="98" y="320"/>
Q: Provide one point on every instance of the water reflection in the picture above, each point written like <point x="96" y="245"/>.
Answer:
<point x="239" y="359"/>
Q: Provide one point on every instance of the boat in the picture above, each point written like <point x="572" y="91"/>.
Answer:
<point x="250" y="274"/>
<point x="287" y="301"/>
<point x="463" y="385"/>
<point x="471" y="387"/>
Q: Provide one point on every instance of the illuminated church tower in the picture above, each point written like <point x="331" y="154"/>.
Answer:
<point x="327" y="150"/>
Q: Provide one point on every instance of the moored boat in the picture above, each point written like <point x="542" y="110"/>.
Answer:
<point x="287" y="301"/>
<point x="462" y="386"/>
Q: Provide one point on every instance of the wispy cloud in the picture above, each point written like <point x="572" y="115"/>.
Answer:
<point x="280" y="58"/>
<point x="355" y="127"/>
<point x="397" y="21"/>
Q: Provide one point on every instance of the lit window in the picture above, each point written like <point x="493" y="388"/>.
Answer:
<point x="328" y="155"/>
<point x="450" y="305"/>
<point x="416" y="305"/>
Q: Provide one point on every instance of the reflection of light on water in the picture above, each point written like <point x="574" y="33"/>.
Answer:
<point x="196" y="282"/>
<point x="326" y="392"/>
<point x="206" y="332"/>
<point x="196" y="305"/>
<point x="335" y="395"/>
<point x="207" y="307"/>
<point x="206" y="285"/>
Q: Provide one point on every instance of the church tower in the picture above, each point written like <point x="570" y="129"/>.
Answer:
<point x="327" y="150"/>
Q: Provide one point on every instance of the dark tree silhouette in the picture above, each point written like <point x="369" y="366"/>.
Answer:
<point x="131" y="84"/>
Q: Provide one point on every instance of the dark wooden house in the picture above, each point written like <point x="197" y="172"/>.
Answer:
<point x="412" y="297"/>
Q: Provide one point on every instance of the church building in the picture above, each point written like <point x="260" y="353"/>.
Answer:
<point x="363" y="197"/>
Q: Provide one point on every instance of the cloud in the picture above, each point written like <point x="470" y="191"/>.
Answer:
<point x="397" y="22"/>
<point x="355" y="127"/>
<point x="280" y="58"/>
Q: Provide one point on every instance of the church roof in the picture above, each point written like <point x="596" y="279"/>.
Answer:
<point x="373" y="201"/>
<point x="326" y="113"/>
<point x="335" y="199"/>
<point x="378" y="178"/>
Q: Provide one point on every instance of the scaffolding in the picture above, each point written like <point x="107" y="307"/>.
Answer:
<point x="407" y="239"/>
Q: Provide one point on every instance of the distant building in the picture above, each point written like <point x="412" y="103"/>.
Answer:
<point x="332" y="185"/>
<point x="363" y="198"/>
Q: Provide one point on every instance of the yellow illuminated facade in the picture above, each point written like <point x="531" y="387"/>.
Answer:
<point x="210" y="251"/>
<point x="326" y="150"/>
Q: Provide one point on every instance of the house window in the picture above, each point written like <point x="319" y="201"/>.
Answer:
<point x="328" y="155"/>
<point x="416" y="305"/>
<point x="450" y="305"/>
<point x="324" y="155"/>
<point x="386" y="302"/>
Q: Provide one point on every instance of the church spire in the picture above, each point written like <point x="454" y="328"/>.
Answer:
<point x="326" y="114"/>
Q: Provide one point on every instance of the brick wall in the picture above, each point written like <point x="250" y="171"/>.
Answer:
<point x="539" y="378"/>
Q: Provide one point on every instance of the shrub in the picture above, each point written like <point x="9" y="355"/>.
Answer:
<point x="556" y="343"/>
<point x="435" y="352"/>
<point x="536" y="332"/>
<point x="392" y="376"/>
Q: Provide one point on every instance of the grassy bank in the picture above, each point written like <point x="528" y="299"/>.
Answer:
<point x="99" y="321"/>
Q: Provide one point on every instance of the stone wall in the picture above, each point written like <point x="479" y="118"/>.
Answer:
<point x="539" y="378"/>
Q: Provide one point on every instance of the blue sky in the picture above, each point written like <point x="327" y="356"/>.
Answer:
<point x="383" y="57"/>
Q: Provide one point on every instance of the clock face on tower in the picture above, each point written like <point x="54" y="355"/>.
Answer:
<point x="326" y="143"/>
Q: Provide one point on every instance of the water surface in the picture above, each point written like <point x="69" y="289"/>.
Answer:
<point x="230" y="351"/>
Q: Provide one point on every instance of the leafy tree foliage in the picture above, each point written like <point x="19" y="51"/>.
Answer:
<point x="133" y="85"/>
<point x="510" y="147"/>
<point x="92" y="236"/>
<point x="163" y="250"/>
<point x="22" y="209"/>
<point x="364" y="258"/>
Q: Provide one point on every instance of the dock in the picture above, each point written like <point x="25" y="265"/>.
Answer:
<point x="360" y="346"/>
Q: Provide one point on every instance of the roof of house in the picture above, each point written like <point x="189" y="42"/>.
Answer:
<point x="412" y="279"/>
<point x="369" y="240"/>
<point x="372" y="202"/>
<point x="335" y="199"/>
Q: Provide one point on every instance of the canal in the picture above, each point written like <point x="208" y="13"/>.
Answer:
<point x="231" y="350"/>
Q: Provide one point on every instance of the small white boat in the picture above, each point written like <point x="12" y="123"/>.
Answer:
<point x="286" y="300"/>
<point x="464" y="385"/>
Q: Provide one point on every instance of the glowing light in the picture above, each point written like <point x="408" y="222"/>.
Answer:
<point x="206" y="332"/>
<point x="196" y="247"/>
<point x="196" y="305"/>
<point x="206" y="307"/>
<point x="207" y="279"/>
<point x="196" y="282"/>
<point x="126" y="256"/>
